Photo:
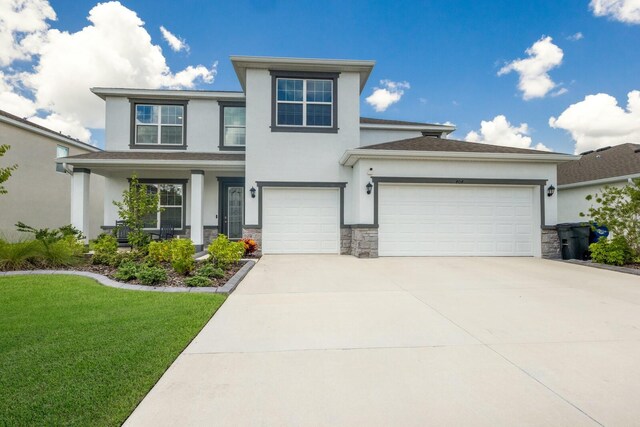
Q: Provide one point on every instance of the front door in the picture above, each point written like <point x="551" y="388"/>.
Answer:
<point x="232" y="207"/>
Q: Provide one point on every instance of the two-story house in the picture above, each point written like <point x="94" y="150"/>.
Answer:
<point x="290" y="162"/>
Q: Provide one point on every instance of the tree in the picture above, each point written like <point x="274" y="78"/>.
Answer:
<point x="618" y="208"/>
<point x="137" y="204"/>
<point x="5" y="173"/>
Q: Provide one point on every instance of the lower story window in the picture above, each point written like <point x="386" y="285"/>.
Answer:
<point x="171" y="206"/>
<point x="61" y="151"/>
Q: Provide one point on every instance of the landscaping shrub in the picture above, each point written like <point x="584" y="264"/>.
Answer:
<point x="47" y="236"/>
<point x="18" y="255"/>
<point x="615" y="251"/>
<point x="209" y="270"/>
<point x="62" y="253"/>
<point x="225" y="252"/>
<point x="105" y="249"/>
<point x="182" y="251"/>
<point x="197" y="281"/>
<point x="160" y="252"/>
<point x="127" y="270"/>
<point x="250" y="246"/>
<point x="148" y="275"/>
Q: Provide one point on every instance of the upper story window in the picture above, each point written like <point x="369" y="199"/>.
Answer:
<point x="61" y="151"/>
<point x="158" y="125"/>
<point x="304" y="102"/>
<point x="232" y="126"/>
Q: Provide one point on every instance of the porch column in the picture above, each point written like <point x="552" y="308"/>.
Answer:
<point x="80" y="186"/>
<point x="197" y="211"/>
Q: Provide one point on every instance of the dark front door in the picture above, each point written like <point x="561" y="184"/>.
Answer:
<point x="231" y="207"/>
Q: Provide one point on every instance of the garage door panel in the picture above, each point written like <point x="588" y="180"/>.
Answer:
<point x="446" y="220"/>
<point x="301" y="220"/>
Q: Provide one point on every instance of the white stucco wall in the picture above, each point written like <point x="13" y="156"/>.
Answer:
<point x="363" y="203"/>
<point x="293" y="156"/>
<point x="203" y="125"/>
<point x="571" y="201"/>
<point x="377" y="136"/>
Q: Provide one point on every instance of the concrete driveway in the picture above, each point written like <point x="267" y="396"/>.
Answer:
<point x="335" y="340"/>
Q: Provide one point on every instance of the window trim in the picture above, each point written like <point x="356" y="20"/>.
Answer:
<point x="182" y="182"/>
<point x="222" y="105"/>
<point x="59" y="165"/>
<point x="306" y="75"/>
<point x="141" y="101"/>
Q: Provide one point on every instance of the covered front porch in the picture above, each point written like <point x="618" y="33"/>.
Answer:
<point x="201" y="194"/>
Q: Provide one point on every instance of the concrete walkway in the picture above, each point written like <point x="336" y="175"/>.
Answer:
<point x="335" y="340"/>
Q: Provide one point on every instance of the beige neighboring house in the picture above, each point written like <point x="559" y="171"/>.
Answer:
<point x="39" y="191"/>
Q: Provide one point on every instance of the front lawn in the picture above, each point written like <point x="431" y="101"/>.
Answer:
<point x="73" y="352"/>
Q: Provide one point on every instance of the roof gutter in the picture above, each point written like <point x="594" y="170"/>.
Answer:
<point x="602" y="181"/>
<point x="104" y="92"/>
<point x="418" y="128"/>
<point x="350" y="157"/>
<point x="150" y="164"/>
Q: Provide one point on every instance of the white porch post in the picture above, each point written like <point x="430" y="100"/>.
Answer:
<point x="80" y="186"/>
<point x="197" y="196"/>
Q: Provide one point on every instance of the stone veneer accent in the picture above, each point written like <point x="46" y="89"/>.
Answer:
<point x="551" y="248"/>
<point x="364" y="242"/>
<point x="255" y="234"/>
<point x="345" y="241"/>
<point x="210" y="233"/>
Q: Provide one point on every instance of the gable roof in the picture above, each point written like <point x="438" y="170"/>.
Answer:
<point x="23" y="123"/>
<point x="429" y="143"/>
<point x="609" y="162"/>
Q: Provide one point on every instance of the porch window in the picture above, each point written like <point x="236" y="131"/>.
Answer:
<point x="171" y="205"/>
<point x="157" y="125"/>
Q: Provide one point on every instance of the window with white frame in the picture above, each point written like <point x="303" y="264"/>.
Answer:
<point x="159" y="125"/>
<point x="171" y="206"/>
<point x="304" y="102"/>
<point x="61" y="151"/>
<point x="234" y="126"/>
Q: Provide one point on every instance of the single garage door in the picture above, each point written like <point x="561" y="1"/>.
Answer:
<point x="300" y="220"/>
<point x="455" y="220"/>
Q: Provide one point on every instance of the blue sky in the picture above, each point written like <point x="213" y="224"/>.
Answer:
<point x="448" y="51"/>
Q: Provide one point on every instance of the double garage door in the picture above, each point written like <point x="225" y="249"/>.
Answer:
<point x="414" y="220"/>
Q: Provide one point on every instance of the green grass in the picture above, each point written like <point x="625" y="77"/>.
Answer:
<point x="73" y="352"/>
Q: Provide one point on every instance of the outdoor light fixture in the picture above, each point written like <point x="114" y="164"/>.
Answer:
<point x="369" y="187"/>
<point x="551" y="190"/>
<point x="253" y="192"/>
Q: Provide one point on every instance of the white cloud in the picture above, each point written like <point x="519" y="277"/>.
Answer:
<point x="113" y="50"/>
<point x="64" y="125"/>
<point x="598" y="121"/>
<point x="22" y="25"/>
<point x="500" y="132"/>
<point x="535" y="81"/>
<point x="575" y="37"/>
<point x="559" y="92"/>
<point x="388" y="93"/>
<point x="14" y="102"/>
<point x="175" y="43"/>
<point x="627" y="11"/>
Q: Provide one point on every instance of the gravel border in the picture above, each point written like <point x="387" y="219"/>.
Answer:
<point x="592" y="264"/>
<point x="227" y="288"/>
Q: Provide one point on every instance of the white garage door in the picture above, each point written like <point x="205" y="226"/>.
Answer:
<point x="300" y="220"/>
<point x="455" y="220"/>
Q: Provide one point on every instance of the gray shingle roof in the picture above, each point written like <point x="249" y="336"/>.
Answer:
<point x="428" y="143"/>
<point x="372" y="121"/>
<point x="156" y="155"/>
<point x="620" y="160"/>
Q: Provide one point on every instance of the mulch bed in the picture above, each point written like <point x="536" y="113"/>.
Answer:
<point x="173" y="279"/>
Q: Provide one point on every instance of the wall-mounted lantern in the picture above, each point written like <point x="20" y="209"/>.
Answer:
<point x="369" y="188"/>
<point x="551" y="190"/>
<point x="253" y="192"/>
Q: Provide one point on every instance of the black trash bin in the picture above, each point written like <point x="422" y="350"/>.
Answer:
<point x="581" y="234"/>
<point x="567" y="241"/>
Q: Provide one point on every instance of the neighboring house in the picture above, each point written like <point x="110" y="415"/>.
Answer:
<point x="39" y="191"/>
<point x="613" y="166"/>
<point x="290" y="162"/>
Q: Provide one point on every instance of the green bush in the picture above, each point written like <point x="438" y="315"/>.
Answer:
<point x="105" y="249"/>
<point x="47" y="236"/>
<point x="18" y="255"/>
<point x="62" y="253"/>
<point x="615" y="251"/>
<point x="182" y="251"/>
<point x="197" y="281"/>
<point x="160" y="252"/>
<point x="209" y="270"/>
<point x="127" y="270"/>
<point x="225" y="252"/>
<point x="148" y="275"/>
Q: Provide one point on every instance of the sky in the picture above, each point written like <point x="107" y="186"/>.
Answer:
<point x="550" y="75"/>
